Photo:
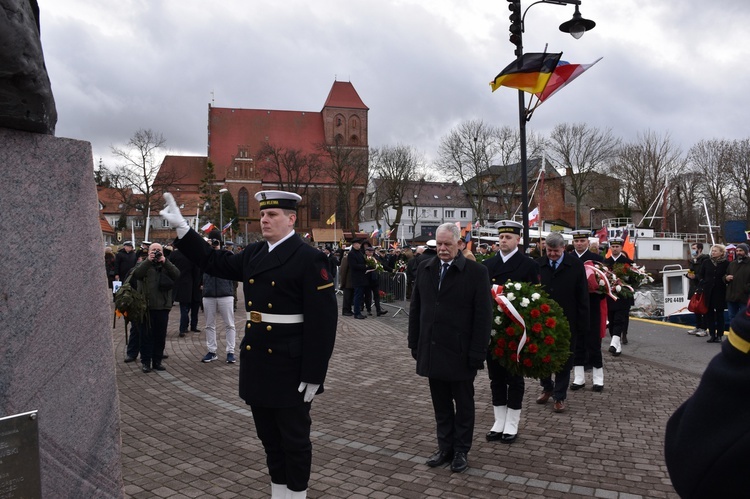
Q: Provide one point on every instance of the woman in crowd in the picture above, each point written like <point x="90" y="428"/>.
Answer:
<point x="711" y="279"/>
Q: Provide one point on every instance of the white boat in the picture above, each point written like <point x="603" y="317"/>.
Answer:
<point x="676" y="286"/>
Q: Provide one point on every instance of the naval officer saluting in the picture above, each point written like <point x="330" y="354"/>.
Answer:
<point x="289" y="333"/>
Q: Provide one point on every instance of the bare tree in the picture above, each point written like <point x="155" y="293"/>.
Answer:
<point x="465" y="155"/>
<point x="684" y="201"/>
<point x="291" y="168"/>
<point x="647" y="165"/>
<point x="581" y="151"/>
<point x="395" y="169"/>
<point x="739" y="173"/>
<point x="712" y="161"/>
<point x="135" y="177"/>
<point x="347" y="166"/>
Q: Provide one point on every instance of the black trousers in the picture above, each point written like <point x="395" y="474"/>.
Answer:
<point x="453" y="402"/>
<point x="372" y="292"/>
<point x="589" y="343"/>
<point x="285" y="434"/>
<point x="559" y="387"/>
<point x="619" y="319"/>
<point x="507" y="389"/>
<point x="154" y="336"/>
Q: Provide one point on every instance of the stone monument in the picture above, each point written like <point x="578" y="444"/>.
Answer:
<point x="56" y="354"/>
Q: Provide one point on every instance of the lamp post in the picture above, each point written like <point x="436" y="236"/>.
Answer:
<point x="591" y="218"/>
<point x="577" y="26"/>
<point x="221" y="210"/>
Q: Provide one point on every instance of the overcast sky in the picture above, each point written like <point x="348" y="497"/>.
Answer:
<point x="422" y="67"/>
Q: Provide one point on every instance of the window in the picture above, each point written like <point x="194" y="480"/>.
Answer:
<point x="435" y="213"/>
<point x="463" y="213"/>
<point x="372" y="214"/>
<point x="315" y="206"/>
<point x="411" y="212"/>
<point x="164" y="223"/>
<point x="657" y="247"/>
<point x="242" y="203"/>
<point x="411" y="229"/>
<point x="138" y="222"/>
<point x="448" y="213"/>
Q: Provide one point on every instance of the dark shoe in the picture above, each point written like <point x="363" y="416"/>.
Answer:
<point x="574" y="387"/>
<point x="711" y="340"/>
<point x="559" y="406"/>
<point x="182" y="334"/>
<point x="494" y="436"/>
<point x="347" y="314"/>
<point x="459" y="462"/>
<point x="129" y="359"/>
<point x="360" y="317"/>
<point x="381" y="312"/>
<point x="507" y="438"/>
<point x="439" y="458"/>
<point x="543" y="398"/>
<point x="159" y="367"/>
<point x="598" y="388"/>
<point x="624" y="338"/>
<point x="196" y="330"/>
<point x="146" y="368"/>
<point x="612" y="350"/>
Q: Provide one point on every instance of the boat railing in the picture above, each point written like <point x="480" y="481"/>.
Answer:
<point x="688" y="237"/>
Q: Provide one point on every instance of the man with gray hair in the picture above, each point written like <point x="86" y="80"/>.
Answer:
<point x="450" y="320"/>
<point x="564" y="278"/>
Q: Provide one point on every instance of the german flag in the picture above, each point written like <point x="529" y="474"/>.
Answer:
<point x="531" y="76"/>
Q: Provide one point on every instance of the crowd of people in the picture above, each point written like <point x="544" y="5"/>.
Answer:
<point x="450" y="318"/>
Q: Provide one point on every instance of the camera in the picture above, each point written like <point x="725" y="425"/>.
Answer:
<point x="157" y="255"/>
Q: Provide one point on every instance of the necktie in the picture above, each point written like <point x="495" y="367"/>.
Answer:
<point x="443" y="270"/>
<point x="553" y="264"/>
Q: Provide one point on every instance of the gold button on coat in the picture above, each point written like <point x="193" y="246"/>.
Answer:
<point x="251" y="281"/>
<point x="249" y="304"/>
<point x="249" y="324"/>
<point x="273" y="283"/>
<point x="268" y="328"/>
<point x="270" y="305"/>
<point x="270" y="351"/>
<point x="248" y="347"/>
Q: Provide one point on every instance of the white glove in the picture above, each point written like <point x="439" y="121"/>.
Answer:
<point x="309" y="389"/>
<point x="171" y="214"/>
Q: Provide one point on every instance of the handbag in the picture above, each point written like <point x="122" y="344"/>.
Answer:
<point x="698" y="303"/>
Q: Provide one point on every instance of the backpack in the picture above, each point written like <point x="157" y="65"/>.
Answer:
<point x="131" y="302"/>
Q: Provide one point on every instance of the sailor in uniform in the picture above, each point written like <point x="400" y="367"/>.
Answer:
<point x="289" y="334"/>
<point x="589" y="346"/>
<point x="618" y="312"/>
<point x="509" y="264"/>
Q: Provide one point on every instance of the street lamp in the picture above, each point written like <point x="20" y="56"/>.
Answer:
<point x="221" y="209"/>
<point x="577" y="26"/>
<point x="591" y="218"/>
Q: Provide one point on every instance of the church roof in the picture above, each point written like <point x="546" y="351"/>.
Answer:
<point x="343" y="94"/>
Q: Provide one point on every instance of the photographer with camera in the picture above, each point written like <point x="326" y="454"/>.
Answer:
<point x="156" y="277"/>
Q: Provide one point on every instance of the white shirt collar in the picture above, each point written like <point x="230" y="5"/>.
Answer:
<point x="272" y="246"/>
<point x="506" y="257"/>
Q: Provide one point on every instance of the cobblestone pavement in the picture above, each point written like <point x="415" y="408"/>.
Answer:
<point x="186" y="432"/>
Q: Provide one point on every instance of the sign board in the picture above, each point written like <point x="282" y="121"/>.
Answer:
<point x="19" y="457"/>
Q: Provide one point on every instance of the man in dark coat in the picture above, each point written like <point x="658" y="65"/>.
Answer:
<point x="187" y="291"/>
<point x="450" y="320"/>
<point x="564" y="278"/>
<point x="589" y="342"/>
<point x="507" y="389"/>
<point x="357" y="270"/>
<point x="618" y="311"/>
<point x="708" y="439"/>
<point x="124" y="261"/>
<point x="289" y="335"/>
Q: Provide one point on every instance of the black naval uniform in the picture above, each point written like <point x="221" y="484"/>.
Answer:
<point x="507" y="389"/>
<point x="618" y="311"/>
<point x="589" y="344"/>
<point x="293" y="345"/>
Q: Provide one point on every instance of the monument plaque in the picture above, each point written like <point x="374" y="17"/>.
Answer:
<point x="19" y="457"/>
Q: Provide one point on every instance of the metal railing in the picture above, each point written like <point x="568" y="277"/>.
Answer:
<point x="393" y="283"/>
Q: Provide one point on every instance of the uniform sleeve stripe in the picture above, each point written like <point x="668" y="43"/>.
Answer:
<point x="325" y="286"/>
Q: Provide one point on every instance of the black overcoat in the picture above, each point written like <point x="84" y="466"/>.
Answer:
<point x="710" y="277"/>
<point x="518" y="268"/>
<point x="357" y="268"/>
<point x="187" y="288"/>
<point x="569" y="288"/>
<point x="451" y="325"/>
<point x="292" y="279"/>
<point x="620" y="303"/>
